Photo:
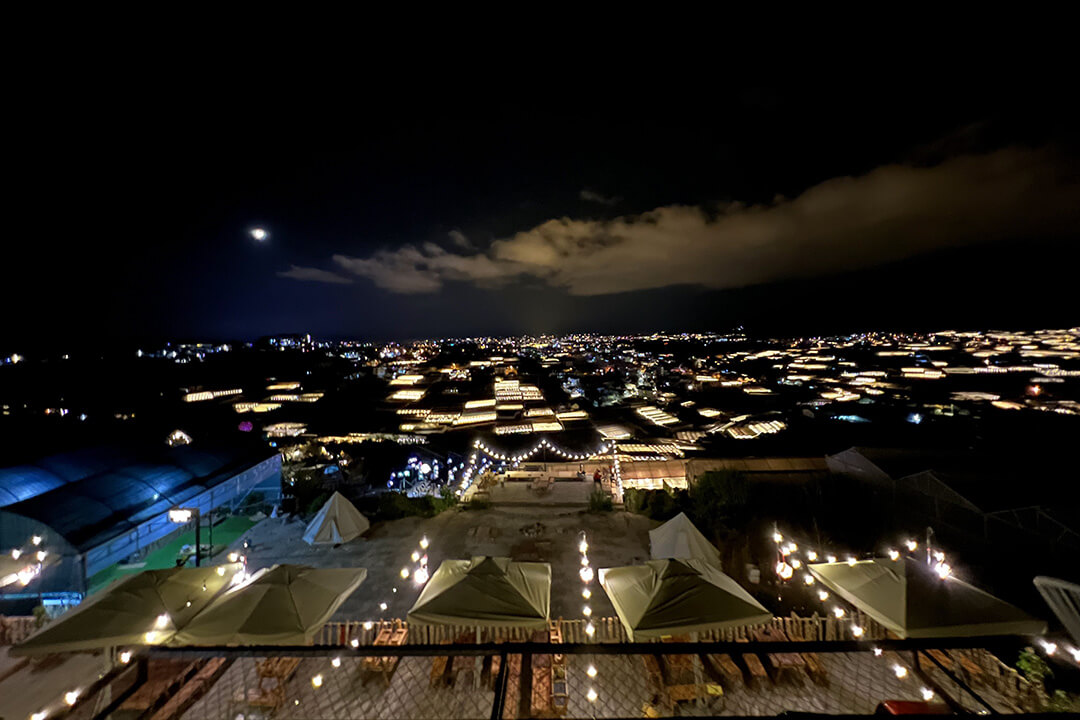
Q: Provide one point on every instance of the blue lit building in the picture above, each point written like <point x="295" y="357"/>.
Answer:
<point x="96" y="507"/>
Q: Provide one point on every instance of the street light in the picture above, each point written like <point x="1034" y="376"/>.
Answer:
<point x="182" y="516"/>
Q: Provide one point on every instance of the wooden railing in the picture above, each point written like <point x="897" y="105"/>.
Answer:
<point x="607" y="630"/>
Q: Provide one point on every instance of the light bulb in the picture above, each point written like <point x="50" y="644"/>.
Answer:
<point x="808" y="579"/>
<point x="912" y="546"/>
<point x="591" y="695"/>
<point x="811" y="556"/>
<point x="900" y="670"/>
<point x="857" y="631"/>
<point x="591" y="672"/>
<point x="71" y="696"/>
<point x="404" y="573"/>
<point x="316" y="682"/>
<point x="838" y="612"/>
<point x="586" y="611"/>
<point x="822" y="595"/>
<point x="125" y="657"/>
<point x="586" y="593"/>
<point x="894" y="555"/>
<point x="336" y="662"/>
<point x="927" y="694"/>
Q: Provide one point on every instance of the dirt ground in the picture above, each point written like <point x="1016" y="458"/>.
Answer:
<point x="615" y="538"/>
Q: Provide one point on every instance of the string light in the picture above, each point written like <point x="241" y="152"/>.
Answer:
<point x="943" y="570"/>
<point x="822" y="595"/>
<point x="40" y="715"/>
<point x="404" y="573"/>
<point x="586" y="593"/>
<point x="586" y="611"/>
<point x="336" y="662"/>
<point x="796" y="563"/>
<point x="808" y="579"/>
<point x="125" y="657"/>
<point x="421" y="576"/>
<point x="71" y="696"/>
<point x="424" y="542"/>
<point x="927" y="694"/>
<point x="591" y="672"/>
<point x="355" y="642"/>
<point x="368" y="625"/>
<point x="830" y="558"/>
<point x="912" y="546"/>
<point x="784" y="570"/>
<point x="850" y="561"/>
<point x="590" y="630"/>
<point x="838" y="612"/>
<point x="316" y="682"/>
<point x="591" y="695"/>
<point x="586" y="574"/>
<point x="894" y="555"/>
<point x="900" y="671"/>
<point x="877" y="652"/>
<point x="857" y="631"/>
<point x="36" y="539"/>
<point x="811" y="556"/>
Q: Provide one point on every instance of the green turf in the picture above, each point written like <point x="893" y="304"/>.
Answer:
<point x="225" y="533"/>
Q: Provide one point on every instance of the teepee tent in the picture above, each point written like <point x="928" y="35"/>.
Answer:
<point x="337" y="522"/>
<point x="668" y="597"/>
<point x="280" y="605"/>
<point x="486" y="592"/>
<point x="142" y="609"/>
<point x="678" y="538"/>
<point x="908" y="598"/>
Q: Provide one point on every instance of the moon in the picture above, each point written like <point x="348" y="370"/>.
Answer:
<point x="259" y="234"/>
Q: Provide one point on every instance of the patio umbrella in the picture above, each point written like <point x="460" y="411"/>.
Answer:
<point x="908" y="598"/>
<point x="141" y="609"/>
<point x="280" y="605"/>
<point x="668" y="597"/>
<point x="486" y="592"/>
<point x="679" y="538"/>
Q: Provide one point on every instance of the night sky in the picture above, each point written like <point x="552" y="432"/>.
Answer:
<point x="802" y="209"/>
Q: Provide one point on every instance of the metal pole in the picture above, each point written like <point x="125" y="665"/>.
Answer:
<point x="198" y="524"/>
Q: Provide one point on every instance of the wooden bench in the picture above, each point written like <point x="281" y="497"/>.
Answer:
<point x="815" y="668"/>
<point x="755" y="666"/>
<point x="438" y="672"/>
<point x="723" y="668"/>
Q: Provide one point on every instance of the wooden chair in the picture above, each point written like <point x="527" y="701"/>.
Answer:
<point x="755" y="667"/>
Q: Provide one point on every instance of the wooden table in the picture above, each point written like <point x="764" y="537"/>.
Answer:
<point x="390" y="637"/>
<point x="782" y="663"/>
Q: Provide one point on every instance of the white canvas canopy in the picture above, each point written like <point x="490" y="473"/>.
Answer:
<point x="337" y="522"/>
<point x="678" y="538"/>
<point x="486" y="592"/>
<point x="669" y="597"/>
<point x="152" y="601"/>
<point x="908" y="598"/>
<point x="280" y="605"/>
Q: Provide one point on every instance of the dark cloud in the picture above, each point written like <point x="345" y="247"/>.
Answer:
<point x="593" y="196"/>
<point x="309" y="274"/>
<point x="891" y="213"/>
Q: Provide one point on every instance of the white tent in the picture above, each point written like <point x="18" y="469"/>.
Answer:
<point x="679" y="539"/>
<point x="337" y="522"/>
<point x="486" y="592"/>
<point x="670" y="597"/>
